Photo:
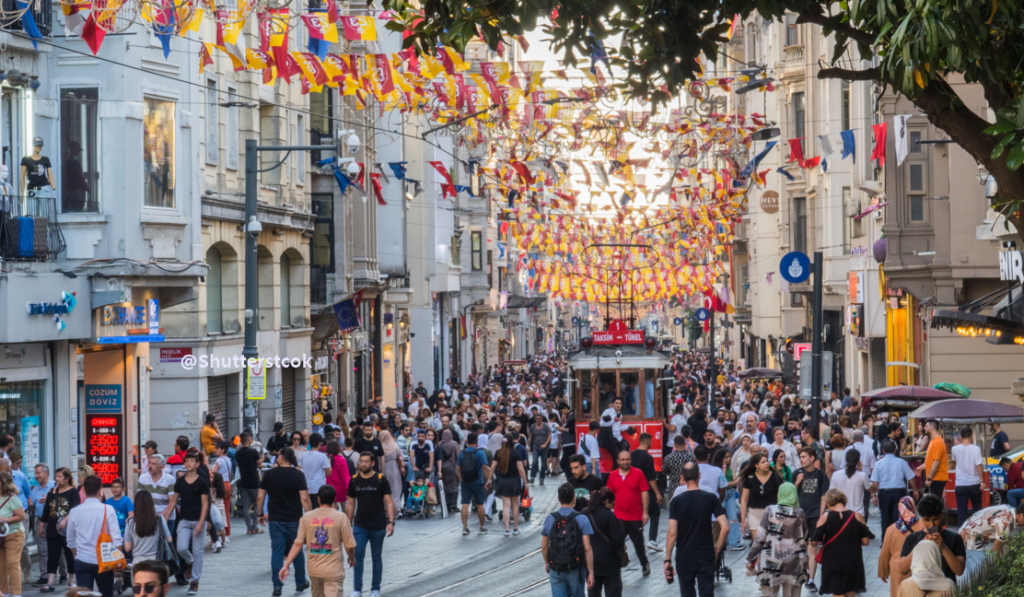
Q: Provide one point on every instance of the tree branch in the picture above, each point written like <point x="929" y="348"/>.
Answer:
<point x="870" y="74"/>
<point x="995" y="96"/>
<point x="824" y="20"/>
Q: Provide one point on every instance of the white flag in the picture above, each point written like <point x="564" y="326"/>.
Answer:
<point x="825" y="145"/>
<point x="901" y="137"/>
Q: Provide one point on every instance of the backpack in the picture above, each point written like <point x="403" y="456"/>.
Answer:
<point x="348" y="461"/>
<point x="468" y="466"/>
<point x="565" y="543"/>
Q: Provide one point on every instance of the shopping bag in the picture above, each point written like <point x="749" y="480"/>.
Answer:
<point x="108" y="556"/>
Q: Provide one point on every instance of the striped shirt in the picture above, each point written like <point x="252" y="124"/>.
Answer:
<point x="161" y="490"/>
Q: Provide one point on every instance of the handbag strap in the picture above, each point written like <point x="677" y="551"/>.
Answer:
<point x="843" y="528"/>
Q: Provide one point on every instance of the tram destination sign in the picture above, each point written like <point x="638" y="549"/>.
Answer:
<point x="618" y="333"/>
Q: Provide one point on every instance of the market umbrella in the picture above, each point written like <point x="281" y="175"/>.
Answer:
<point x="959" y="410"/>
<point x="987" y="524"/>
<point x="904" y="396"/>
<point x="758" y="372"/>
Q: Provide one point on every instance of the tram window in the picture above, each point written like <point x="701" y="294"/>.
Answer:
<point x="629" y="390"/>
<point x="649" y="394"/>
<point x="607" y="392"/>
<point x="587" y="388"/>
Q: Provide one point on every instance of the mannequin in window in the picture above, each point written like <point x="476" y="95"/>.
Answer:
<point x="36" y="171"/>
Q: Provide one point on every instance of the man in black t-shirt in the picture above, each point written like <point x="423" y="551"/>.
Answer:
<point x="192" y="496"/>
<point x="372" y="511"/>
<point x="643" y="460"/>
<point x="285" y="486"/>
<point x="583" y="483"/>
<point x="249" y="462"/>
<point x="277" y="441"/>
<point x="932" y="513"/>
<point x="367" y="443"/>
<point x="811" y="484"/>
<point x="689" y="525"/>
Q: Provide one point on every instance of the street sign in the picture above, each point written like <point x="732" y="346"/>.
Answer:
<point x="575" y="320"/>
<point x="618" y="333"/>
<point x="677" y="321"/>
<point x="703" y="314"/>
<point x="799" y="348"/>
<point x="727" y="343"/>
<point x="795" y="267"/>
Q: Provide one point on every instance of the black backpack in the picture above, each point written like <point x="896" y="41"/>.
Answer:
<point x="565" y="543"/>
<point x="468" y="466"/>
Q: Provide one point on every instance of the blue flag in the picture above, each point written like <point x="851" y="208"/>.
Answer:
<point x="752" y="164"/>
<point x="398" y="168"/>
<point x="512" y="198"/>
<point x="319" y="47"/>
<point x="849" y="144"/>
<point x="343" y="181"/>
<point x="347" y="315"/>
<point x="28" y="23"/>
<point x="785" y="173"/>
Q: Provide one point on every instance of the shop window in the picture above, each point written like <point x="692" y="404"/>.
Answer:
<point x="158" y="153"/>
<point x="79" y="139"/>
<point x="21" y="416"/>
<point x="476" y="250"/>
<point x="214" y="292"/>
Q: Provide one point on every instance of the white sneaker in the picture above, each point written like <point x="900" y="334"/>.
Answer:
<point x="355" y="594"/>
<point x="653" y="546"/>
<point x="516" y="532"/>
<point x="374" y="593"/>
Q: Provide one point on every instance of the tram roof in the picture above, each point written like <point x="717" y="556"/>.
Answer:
<point x="633" y="357"/>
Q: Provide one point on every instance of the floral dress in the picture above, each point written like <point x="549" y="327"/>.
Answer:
<point x="989" y="524"/>
<point x="781" y="547"/>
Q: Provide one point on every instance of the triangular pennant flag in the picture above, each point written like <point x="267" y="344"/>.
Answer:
<point x="849" y="144"/>
<point x="879" y="152"/>
<point x="93" y="34"/>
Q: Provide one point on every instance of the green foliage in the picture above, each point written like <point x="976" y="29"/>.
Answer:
<point x="998" y="576"/>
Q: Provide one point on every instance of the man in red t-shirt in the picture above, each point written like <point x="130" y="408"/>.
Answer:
<point x="631" y="500"/>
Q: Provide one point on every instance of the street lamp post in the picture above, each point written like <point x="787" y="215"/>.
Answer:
<point x="253" y="228"/>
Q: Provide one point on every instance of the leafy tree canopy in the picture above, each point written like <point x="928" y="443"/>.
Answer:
<point x="920" y="45"/>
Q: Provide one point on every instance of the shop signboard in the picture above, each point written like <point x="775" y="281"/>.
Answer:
<point x="127" y="323"/>
<point x="618" y="333"/>
<point x="104" y="430"/>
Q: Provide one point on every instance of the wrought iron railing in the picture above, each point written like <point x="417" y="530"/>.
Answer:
<point x="29" y="230"/>
<point x="42" y="12"/>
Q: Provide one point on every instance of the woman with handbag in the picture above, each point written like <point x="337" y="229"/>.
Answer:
<point x="143" y="532"/>
<point x="59" y="502"/>
<point x="841" y="537"/>
<point x="608" y="544"/>
<point x="12" y="515"/>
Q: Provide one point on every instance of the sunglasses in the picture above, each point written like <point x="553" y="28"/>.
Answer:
<point x="146" y="589"/>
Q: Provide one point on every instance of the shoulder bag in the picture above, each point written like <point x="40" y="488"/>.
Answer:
<point x="108" y="556"/>
<point x="817" y="557"/>
<point x="7" y="526"/>
<point x="623" y="556"/>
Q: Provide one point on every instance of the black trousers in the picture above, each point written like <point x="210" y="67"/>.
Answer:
<point x="612" y="585"/>
<point x="888" y="505"/>
<point x="867" y="505"/>
<point x="567" y="451"/>
<point x="634" y="529"/>
<point x="965" y="493"/>
<point x="654" y="513"/>
<point x="938" y="488"/>
<point x="699" y="573"/>
<point x="55" y="547"/>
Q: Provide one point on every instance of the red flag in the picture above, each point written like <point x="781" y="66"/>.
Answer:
<point x="332" y="11"/>
<point x="312" y="67"/>
<point x="446" y="60"/>
<point x="879" y="152"/>
<point x="382" y="73"/>
<point x="93" y="34"/>
<point x="375" y="181"/>
<point x="447" y="186"/>
<point x="523" y="171"/>
<point x="812" y="162"/>
<point x="525" y="45"/>
<point x="796" y="151"/>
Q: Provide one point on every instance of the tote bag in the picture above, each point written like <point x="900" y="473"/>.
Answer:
<point x="108" y="556"/>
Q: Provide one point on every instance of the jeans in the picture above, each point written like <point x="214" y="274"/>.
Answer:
<point x="654" y="513"/>
<point x="611" y="584"/>
<point x="732" y="511"/>
<point x="85" y="574"/>
<point x="963" y="494"/>
<point x="1015" y="497"/>
<point x="282" y="535"/>
<point x="538" y="459"/>
<point x="194" y="556"/>
<point x="700" y="572"/>
<point x="248" y="501"/>
<point x="572" y="583"/>
<point x="888" y="506"/>
<point x="376" y="541"/>
<point x="634" y="529"/>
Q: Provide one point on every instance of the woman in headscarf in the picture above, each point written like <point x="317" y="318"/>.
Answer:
<point x="779" y="550"/>
<point x="926" y="576"/>
<point x="892" y="544"/>
<point x="394" y="464"/>
<point x="450" y="451"/>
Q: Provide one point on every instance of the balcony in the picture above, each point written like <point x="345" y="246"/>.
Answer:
<point x="42" y="10"/>
<point x="28" y="228"/>
<point x="794" y="55"/>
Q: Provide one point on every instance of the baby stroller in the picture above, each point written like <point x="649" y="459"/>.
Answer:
<point x="420" y="501"/>
<point x="525" y="506"/>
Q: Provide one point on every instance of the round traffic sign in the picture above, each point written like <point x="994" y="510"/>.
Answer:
<point x="703" y="314"/>
<point x="795" y="267"/>
<point x="575" y="320"/>
<point x="677" y="321"/>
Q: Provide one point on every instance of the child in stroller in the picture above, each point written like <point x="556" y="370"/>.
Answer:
<point x="416" y="505"/>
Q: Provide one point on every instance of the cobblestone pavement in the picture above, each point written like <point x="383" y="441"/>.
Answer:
<point x="431" y="558"/>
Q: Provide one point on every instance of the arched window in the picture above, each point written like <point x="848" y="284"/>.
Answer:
<point x="286" y="291"/>
<point x="214" y="292"/>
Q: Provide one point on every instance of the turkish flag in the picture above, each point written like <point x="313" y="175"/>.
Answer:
<point x="796" y="151"/>
<point x="879" y="151"/>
